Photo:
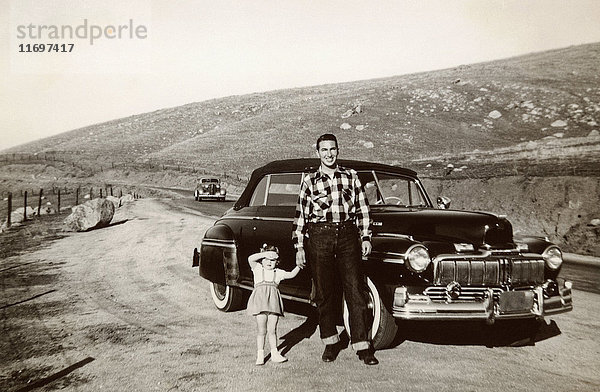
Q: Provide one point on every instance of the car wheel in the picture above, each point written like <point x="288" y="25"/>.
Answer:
<point x="226" y="298"/>
<point x="382" y="326"/>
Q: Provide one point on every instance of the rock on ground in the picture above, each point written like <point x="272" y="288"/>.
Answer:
<point x="92" y="214"/>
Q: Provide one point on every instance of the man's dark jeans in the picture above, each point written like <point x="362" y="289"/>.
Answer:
<point x="334" y="256"/>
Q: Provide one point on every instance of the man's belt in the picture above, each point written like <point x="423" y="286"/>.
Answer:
<point x="333" y="225"/>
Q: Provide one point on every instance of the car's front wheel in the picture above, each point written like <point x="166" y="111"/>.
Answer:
<point x="226" y="298"/>
<point x="382" y="325"/>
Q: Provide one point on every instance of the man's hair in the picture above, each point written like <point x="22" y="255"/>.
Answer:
<point x="327" y="136"/>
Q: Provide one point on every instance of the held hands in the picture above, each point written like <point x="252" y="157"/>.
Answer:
<point x="300" y="258"/>
<point x="366" y="249"/>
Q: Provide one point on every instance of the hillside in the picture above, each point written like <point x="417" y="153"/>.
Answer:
<point x="394" y="120"/>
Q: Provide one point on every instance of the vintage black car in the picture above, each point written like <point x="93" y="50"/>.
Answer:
<point x="210" y="188"/>
<point x="427" y="263"/>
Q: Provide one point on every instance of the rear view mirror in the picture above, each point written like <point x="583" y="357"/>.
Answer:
<point x="443" y="202"/>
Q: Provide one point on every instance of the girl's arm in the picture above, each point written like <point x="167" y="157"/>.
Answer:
<point x="253" y="259"/>
<point x="290" y="274"/>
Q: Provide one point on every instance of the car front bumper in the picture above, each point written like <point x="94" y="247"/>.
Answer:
<point x="507" y="305"/>
<point x="210" y="196"/>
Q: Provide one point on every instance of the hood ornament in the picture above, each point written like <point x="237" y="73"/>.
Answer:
<point x="453" y="290"/>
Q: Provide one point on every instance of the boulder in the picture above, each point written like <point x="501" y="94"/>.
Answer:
<point x="128" y="197"/>
<point x="558" y="124"/>
<point x="495" y="114"/>
<point x="115" y="200"/>
<point x="593" y="133"/>
<point x="345" y="126"/>
<point x="92" y="214"/>
<point x="17" y="216"/>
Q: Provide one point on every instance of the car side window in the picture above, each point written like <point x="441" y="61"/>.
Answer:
<point x="258" y="197"/>
<point x="283" y="189"/>
<point x="369" y="186"/>
<point x="400" y="191"/>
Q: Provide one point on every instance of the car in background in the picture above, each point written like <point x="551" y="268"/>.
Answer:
<point x="210" y="188"/>
<point x="428" y="262"/>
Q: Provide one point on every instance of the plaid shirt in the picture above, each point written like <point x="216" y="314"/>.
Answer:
<point x="333" y="200"/>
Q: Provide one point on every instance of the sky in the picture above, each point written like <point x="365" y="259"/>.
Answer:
<point x="109" y="59"/>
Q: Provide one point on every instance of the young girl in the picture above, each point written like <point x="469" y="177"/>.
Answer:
<point x="265" y="302"/>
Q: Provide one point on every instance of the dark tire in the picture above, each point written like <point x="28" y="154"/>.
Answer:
<point x="383" y="327"/>
<point x="227" y="298"/>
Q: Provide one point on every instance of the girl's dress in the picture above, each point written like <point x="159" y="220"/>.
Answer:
<point x="265" y="297"/>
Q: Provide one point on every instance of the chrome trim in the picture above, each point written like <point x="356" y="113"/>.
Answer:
<point x="388" y="257"/>
<point x="467" y="293"/>
<point x="422" y="307"/>
<point x="262" y="218"/>
<point x="393" y="261"/>
<point x="396" y="235"/>
<point x="230" y="244"/>
<point x="491" y="270"/>
<point x="392" y="254"/>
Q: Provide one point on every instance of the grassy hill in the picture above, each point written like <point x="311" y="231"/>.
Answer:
<point x="395" y="120"/>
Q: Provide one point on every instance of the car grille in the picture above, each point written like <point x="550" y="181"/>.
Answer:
<point x="490" y="272"/>
<point x="466" y="293"/>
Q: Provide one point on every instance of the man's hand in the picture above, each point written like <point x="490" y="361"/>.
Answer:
<point x="300" y="258"/>
<point x="366" y="249"/>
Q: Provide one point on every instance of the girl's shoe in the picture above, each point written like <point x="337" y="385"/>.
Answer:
<point x="276" y="357"/>
<point x="260" y="357"/>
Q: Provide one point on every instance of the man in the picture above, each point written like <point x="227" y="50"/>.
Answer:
<point x="333" y="214"/>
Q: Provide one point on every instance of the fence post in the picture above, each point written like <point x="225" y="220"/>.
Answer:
<point x="111" y="191"/>
<point x="25" y="206"/>
<point x="58" y="208"/>
<point x="9" y="208"/>
<point x="40" y="202"/>
<point x="77" y="196"/>
<point x="91" y="193"/>
<point x="101" y="193"/>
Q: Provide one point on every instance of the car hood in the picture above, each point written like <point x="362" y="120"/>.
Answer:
<point x="477" y="228"/>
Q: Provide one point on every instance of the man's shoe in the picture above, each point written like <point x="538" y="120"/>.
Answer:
<point x="329" y="354"/>
<point x="367" y="356"/>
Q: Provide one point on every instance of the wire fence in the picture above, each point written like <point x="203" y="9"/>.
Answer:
<point x="83" y="163"/>
<point x="23" y="205"/>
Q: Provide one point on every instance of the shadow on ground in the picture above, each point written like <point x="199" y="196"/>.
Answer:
<point x="504" y="333"/>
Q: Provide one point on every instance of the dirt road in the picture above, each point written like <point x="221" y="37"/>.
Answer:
<point x="121" y="309"/>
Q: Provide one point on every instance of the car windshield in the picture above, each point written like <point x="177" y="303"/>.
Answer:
<point x="380" y="188"/>
<point x="209" y="180"/>
<point x="392" y="189"/>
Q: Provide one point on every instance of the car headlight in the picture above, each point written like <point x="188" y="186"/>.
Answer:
<point x="417" y="258"/>
<point x="553" y="257"/>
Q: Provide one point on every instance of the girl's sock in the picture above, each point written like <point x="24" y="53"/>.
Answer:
<point x="260" y="357"/>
